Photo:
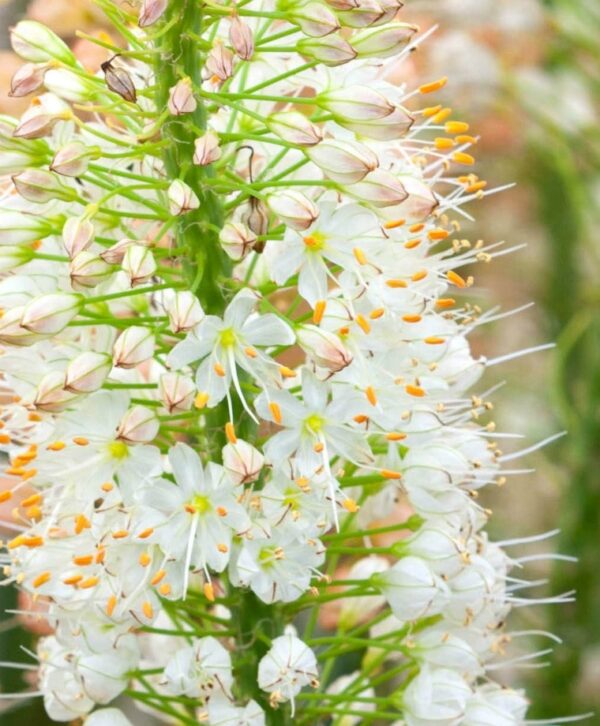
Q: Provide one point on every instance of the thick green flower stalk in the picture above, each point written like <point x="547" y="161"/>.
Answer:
<point x="234" y="330"/>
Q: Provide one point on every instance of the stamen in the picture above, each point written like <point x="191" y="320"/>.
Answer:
<point x="433" y="86"/>
<point x="319" y="311"/>
<point x="230" y="433"/>
<point x="275" y="412"/>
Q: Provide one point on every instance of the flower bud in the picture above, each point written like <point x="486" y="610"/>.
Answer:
<point x="256" y="216"/>
<point x="182" y="198"/>
<point x="324" y="348"/>
<point x="379" y="188"/>
<point x="314" y="19"/>
<point x="40" y="186"/>
<point x="293" y="208"/>
<point x="219" y="63"/>
<point x="383" y="42"/>
<point x="295" y="128"/>
<point x="176" y="391"/>
<point x="355" y="103"/>
<point x="73" y="159"/>
<point x="119" y="80"/>
<point x="116" y="254"/>
<point x="78" y="234"/>
<point x="181" y="98"/>
<point x="139" y="265"/>
<point x="17" y="228"/>
<point x="388" y="128"/>
<point x="135" y="345"/>
<point x="240" y="37"/>
<point x="360" y="609"/>
<point x="346" y="162"/>
<point x="12" y="257"/>
<point x="69" y="86"/>
<point x="88" y="270"/>
<point x="342" y="4"/>
<point x="138" y="426"/>
<point x="35" y="42"/>
<point x="331" y="50"/>
<point x="207" y="149"/>
<point x="36" y="123"/>
<point x="242" y="462"/>
<point x="49" y="314"/>
<point x="237" y="240"/>
<point x="11" y="330"/>
<point x="366" y="14"/>
<point x="87" y="372"/>
<point x="419" y="204"/>
<point x="51" y="395"/>
<point x="151" y="11"/>
<point x="27" y="79"/>
<point x="184" y="310"/>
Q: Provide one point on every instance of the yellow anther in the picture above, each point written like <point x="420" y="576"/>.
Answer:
<point x="394" y="223"/>
<point x="110" y="605"/>
<point x="30" y="501"/>
<point x="360" y="418"/>
<point x="275" y="412"/>
<point x="73" y="580"/>
<point x="389" y="474"/>
<point x="377" y="313"/>
<point x="144" y="559"/>
<point x="201" y="400"/>
<point x="412" y="243"/>
<point x="221" y="511"/>
<point x="146" y="533"/>
<point x="455" y="279"/>
<point x="442" y="116"/>
<point x="80" y="440"/>
<point x="319" y="311"/>
<point x="108" y="486"/>
<point x="223" y="548"/>
<point x="230" y="433"/>
<point x="219" y="370"/>
<point x="209" y="591"/>
<point x="81" y="523"/>
<point x="456" y="127"/>
<point x="41" y="579"/>
<point x="363" y="324"/>
<point x="411" y="318"/>
<point x="359" y="256"/>
<point x="434" y="340"/>
<point x="120" y="534"/>
<point x="250" y="352"/>
<point x="158" y="577"/>
<point x="445" y="302"/>
<point x="5" y="496"/>
<point x="371" y="395"/>
<point x="415" y="391"/>
<point x="461" y="158"/>
<point x="434" y="85"/>
<point x="147" y="609"/>
<point x="431" y="110"/>
<point x="443" y="144"/>
<point x="89" y="583"/>
<point x="287" y="372"/>
<point x="350" y="506"/>
<point x="394" y="284"/>
<point x="165" y="589"/>
<point x="419" y="275"/>
<point x="437" y="235"/>
<point x="395" y="436"/>
<point x="318" y="447"/>
<point x="83" y="560"/>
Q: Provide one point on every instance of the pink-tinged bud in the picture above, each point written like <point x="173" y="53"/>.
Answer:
<point x="78" y="234"/>
<point x="36" y="123"/>
<point x="181" y="98"/>
<point x="419" y="204"/>
<point x="241" y="38"/>
<point x="346" y="162"/>
<point x="379" y="188"/>
<point x="323" y="348"/>
<point x="69" y="85"/>
<point x="293" y="208"/>
<point x="355" y="103"/>
<point x="176" y="391"/>
<point x="182" y="198"/>
<point x="207" y="149"/>
<point x="116" y="254"/>
<point x="139" y="265"/>
<point x="314" y="19"/>
<point x="256" y="216"/>
<point x="331" y="50"/>
<point x="134" y="346"/>
<point x="49" y="314"/>
<point x="73" y="159"/>
<point x="383" y="42"/>
<point x="138" y="426"/>
<point x="237" y="240"/>
<point x="119" y="80"/>
<point x="27" y="79"/>
<point x="390" y="9"/>
<point x="12" y="257"/>
<point x="219" y="63"/>
<point x="389" y="128"/>
<point x="151" y="11"/>
<point x="11" y="330"/>
<point x="342" y="4"/>
<point x="87" y="269"/>
<point x="40" y="186"/>
<point x="17" y="228"/>
<point x="242" y="462"/>
<point x="366" y="14"/>
<point x="34" y="42"/>
<point x="51" y="395"/>
<point x="183" y="309"/>
<point x="87" y="372"/>
<point x="295" y="128"/>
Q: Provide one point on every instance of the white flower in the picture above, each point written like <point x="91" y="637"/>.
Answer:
<point x="436" y="697"/>
<point x="223" y="713"/>
<point x="199" y="670"/>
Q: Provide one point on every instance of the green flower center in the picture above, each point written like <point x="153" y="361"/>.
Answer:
<point x="315" y="241"/>
<point x="118" y="450"/>
<point x="201" y="503"/>
<point x="314" y="423"/>
<point x="227" y="338"/>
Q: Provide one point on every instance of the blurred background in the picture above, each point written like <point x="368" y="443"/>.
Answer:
<point x="526" y="75"/>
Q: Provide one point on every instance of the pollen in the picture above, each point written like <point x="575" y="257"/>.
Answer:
<point x="158" y="577"/>
<point x="221" y="511"/>
<point x="110" y="605"/>
<point x="219" y="370"/>
<point x="377" y="313"/>
<point x="318" y="447"/>
<point x="144" y="559"/>
<point x="461" y="158"/>
<point x="287" y="372"/>
<point x="250" y="352"/>
<point x="319" y="311"/>
<point x="395" y="436"/>
<point x="275" y="412"/>
<point x="350" y="506"/>
<point x="415" y="391"/>
<point x="209" y="591"/>
<point x="108" y="486"/>
<point x="455" y="279"/>
<point x="148" y="610"/>
<point x="433" y="86"/>
<point x="223" y="548"/>
<point x="201" y="400"/>
<point x="80" y="440"/>
<point x="81" y="523"/>
<point x="315" y="241"/>
<point x="456" y="127"/>
<point x="363" y="324"/>
<point x="389" y="474"/>
<point x="41" y="579"/>
<point x="230" y="433"/>
<point x="371" y="395"/>
<point x="394" y="223"/>
<point x="359" y="256"/>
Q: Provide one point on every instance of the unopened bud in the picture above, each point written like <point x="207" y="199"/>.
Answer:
<point x="379" y="188"/>
<point x="27" y="79"/>
<point x="87" y="269"/>
<point x="69" y="85"/>
<point x="219" y="63"/>
<point x="139" y="265"/>
<point x="242" y="462"/>
<point x="119" y="80"/>
<point x="331" y="50"/>
<point x="365" y="15"/>
<point x="183" y="309"/>
<point x="12" y="257"/>
<point x="295" y="128"/>
<point x="420" y="202"/>
<point x="342" y="5"/>
<point x="135" y="345"/>
<point x="181" y="98"/>
<point x="383" y="42"/>
<point x="11" y="330"/>
<point x="49" y="314"/>
<point x="237" y="240"/>
<point x="346" y="162"/>
<point x="355" y="103"/>
<point x="78" y="234"/>
<point x="206" y="149"/>
<point x="73" y="159"/>
<point x="138" y="426"/>
<point x="324" y="348"/>
<point x="176" y="391"/>
<point x="182" y="198"/>
<point x="293" y="208"/>
<point x="17" y="228"/>
<point x="388" y="128"/>
<point x="241" y="38"/>
<point x="36" y="123"/>
<point x="34" y="42"/>
<point x="151" y="11"/>
<point x="87" y="372"/>
<point x="256" y="216"/>
<point x="116" y="254"/>
<point x="51" y="395"/>
<point x="314" y="19"/>
<point x="40" y="186"/>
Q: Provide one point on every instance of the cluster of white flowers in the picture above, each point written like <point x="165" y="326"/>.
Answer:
<point x="232" y="339"/>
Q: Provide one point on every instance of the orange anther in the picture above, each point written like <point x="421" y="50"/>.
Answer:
<point x="377" y="313"/>
<point x="433" y="86"/>
<point x="394" y="223"/>
<point x="158" y="577"/>
<point x="147" y="609"/>
<point x="41" y="579"/>
<point x="389" y="474"/>
<point x="250" y="352"/>
<point x="434" y="340"/>
<point x="371" y="395"/>
<point x="363" y="323"/>
<point x="209" y="591"/>
<point x="56" y="446"/>
<point x="456" y="127"/>
<point x="394" y="284"/>
<point x="411" y="318"/>
<point x="144" y="534"/>
<point x="219" y="370"/>
<point x="80" y="440"/>
<point x="455" y="279"/>
<point x="230" y="433"/>
<point x="445" y="302"/>
<point x="416" y="391"/>
<point x="144" y="559"/>
<point x="420" y="275"/>
<point x="359" y="256"/>
<point x="110" y="605"/>
<point x="319" y="311"/>
<point x="275" y="412"/>
<point x="395" y="436"/>
<point x="461" y="158"/>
